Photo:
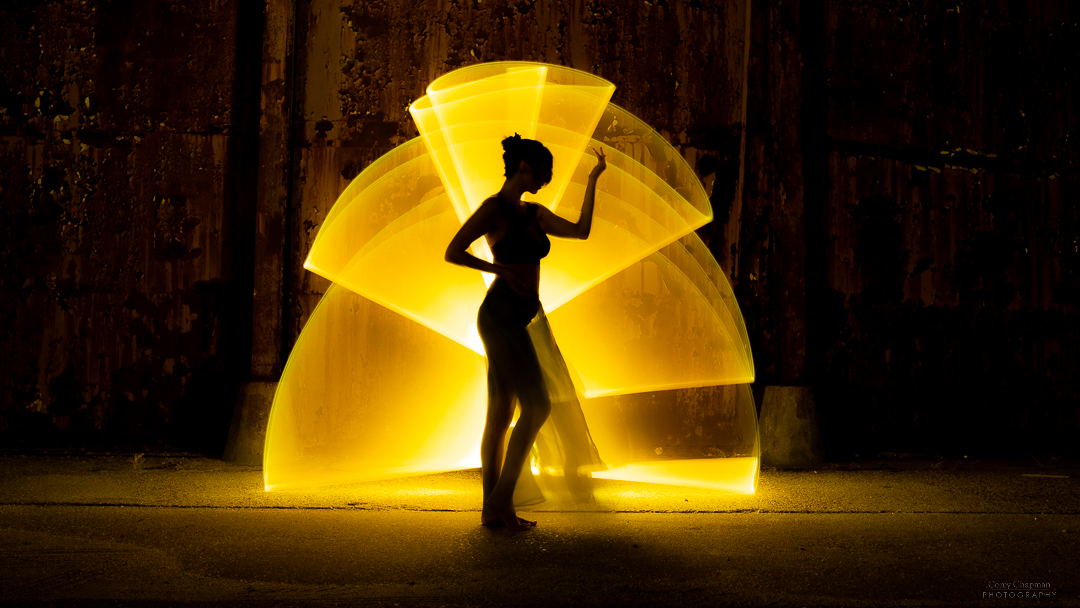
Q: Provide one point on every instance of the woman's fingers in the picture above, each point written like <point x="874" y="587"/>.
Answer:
<point x="601" y="162"/>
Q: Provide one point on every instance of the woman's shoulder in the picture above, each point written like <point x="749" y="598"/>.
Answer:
<point x="493" y="209"/>
<point x="537" y="210"/>
<point x="492" y="201"/>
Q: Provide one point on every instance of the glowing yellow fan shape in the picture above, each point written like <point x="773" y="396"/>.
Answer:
<point x="641" y="305"/>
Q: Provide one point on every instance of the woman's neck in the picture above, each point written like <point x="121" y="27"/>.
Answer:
<point x="511" y="192"/>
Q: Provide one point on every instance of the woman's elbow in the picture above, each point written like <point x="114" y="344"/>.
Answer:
<point x="452" y="255"/>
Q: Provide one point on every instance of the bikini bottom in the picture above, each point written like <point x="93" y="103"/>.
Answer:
<point x="523" y="360"/>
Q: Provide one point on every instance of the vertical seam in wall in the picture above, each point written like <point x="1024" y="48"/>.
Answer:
<point x="744" y="97"/>
<point x="288" y="244"/>
<point x="815" y="173"/>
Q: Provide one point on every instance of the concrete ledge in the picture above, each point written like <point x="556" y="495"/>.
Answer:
<point x="790" y="435"/>
<point x="248" y="430"/>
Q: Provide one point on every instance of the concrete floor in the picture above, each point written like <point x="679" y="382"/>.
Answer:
<point x="92" y="530"/>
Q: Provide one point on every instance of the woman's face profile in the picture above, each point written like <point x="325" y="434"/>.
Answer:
<point x="533" y="180"/>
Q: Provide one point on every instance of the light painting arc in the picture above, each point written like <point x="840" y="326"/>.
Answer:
<point x="640" y="306"/>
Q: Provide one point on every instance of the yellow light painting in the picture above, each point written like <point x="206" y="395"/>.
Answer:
<point x="388" y="378"/>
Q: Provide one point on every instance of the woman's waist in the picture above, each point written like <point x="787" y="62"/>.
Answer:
<point x="526" y="270"/>
<point x="526" y="277"/>
<point x="501" y="288"/>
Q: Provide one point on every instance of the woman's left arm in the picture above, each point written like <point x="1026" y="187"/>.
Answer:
<point x="557" y="226"/>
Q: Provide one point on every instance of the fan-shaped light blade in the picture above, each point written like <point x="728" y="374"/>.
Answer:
<point x="648" y="198"/>
<point x="385" y="240"/>
<point x="468" y="112"/>
<point x="368" y="394"/>
<point x="669" y="321"/>
<point x="730" y="474"/>
<point x="713" y="442"/>
<point x="395" y="216"/>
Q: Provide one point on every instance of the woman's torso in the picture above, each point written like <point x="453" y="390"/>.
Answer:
<point x="518" y="242"/>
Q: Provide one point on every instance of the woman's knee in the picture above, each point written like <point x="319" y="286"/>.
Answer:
<point x="537" y="406"/>
<point x="500" y="415"/>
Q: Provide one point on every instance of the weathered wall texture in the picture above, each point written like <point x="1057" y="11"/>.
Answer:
<point x="124" y="237"/>
<point x="902" y="235"/>
<point x="276" y="169"/>
<point x="948" y="318"/>
<point x="768" y="271"/>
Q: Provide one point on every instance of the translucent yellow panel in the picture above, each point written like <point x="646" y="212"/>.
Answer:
<point x="404" y="218"/>
<point x="509" y="97"/>
<point x="703" y="437"/>
<point x="731" y="474"/>
<point x="659" y="161"/>
<point x="408" y="159"/>
<point x="635" y="214"/>
<point x="401" y="264"/>
<point x="665" y="322"/>
<point x="387" y="377"/>
<point x="368" y="394"/>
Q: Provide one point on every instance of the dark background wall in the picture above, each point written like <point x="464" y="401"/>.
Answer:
<point x="125" y="219"/>
<point x="937" y="245"/>
<point x="898" y="215"/>
<point x="945" y="311"/>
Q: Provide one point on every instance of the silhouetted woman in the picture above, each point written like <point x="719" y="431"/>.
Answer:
<point x="517" y="233"/>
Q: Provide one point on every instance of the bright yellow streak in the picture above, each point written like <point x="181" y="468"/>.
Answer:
<point x="626" y="430"/>
<point x="730" y="474"/>
<point x="387" y="378"/>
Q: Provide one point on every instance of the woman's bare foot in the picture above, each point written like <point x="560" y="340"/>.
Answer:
<point x="522" y="523"/>
<point x="490" y="516"/>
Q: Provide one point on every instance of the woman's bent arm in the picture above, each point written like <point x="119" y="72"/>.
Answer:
<point x="479" y="223"/>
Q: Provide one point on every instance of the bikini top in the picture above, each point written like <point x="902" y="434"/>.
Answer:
<point x="524" y="241"/>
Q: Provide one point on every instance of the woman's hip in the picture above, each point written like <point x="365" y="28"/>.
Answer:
<point x="505" y="308"/>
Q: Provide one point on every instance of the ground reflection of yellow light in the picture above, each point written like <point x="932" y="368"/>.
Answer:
<point x="423" y="492"/>
<point x="730" y="474"/>
<point x="387" y="378"/>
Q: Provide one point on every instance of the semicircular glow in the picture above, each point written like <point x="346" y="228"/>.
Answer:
<point x="639" y="306"/>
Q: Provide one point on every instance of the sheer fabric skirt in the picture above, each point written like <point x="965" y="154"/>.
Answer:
<point x="524" y="363"/>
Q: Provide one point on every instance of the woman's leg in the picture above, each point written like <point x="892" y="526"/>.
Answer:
<point x="534" y="412"/>
<point x="535" y="408"/>
<point x="500" y="411"/>
<point x="512" y="359"/>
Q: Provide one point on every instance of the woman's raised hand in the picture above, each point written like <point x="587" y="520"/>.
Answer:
<point x="601" y="164"/>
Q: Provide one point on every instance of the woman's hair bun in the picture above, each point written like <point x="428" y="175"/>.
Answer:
<point x="511" y="142"/>
<point x="517" y="149"/>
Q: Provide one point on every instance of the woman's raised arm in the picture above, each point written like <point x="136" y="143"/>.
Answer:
<point x="557" y="226"/>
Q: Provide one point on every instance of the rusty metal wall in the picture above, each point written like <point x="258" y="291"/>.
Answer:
<point x="768" y="269"/>
<point x="125" y="247"/>
<point x="901" y="229"/>
<point x="947" y="319"/>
